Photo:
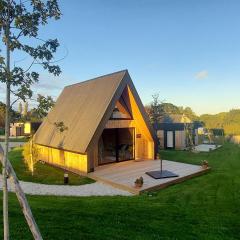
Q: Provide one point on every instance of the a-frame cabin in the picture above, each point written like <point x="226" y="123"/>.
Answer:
<point x="106" y="123"/>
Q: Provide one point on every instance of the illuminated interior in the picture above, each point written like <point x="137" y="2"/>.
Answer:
<point x="116" y="145"/>
<point x="121" y="110"/>
<point x="126" y="138"/>
<point x="27" y="128"/>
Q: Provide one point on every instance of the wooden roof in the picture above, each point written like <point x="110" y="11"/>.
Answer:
<point x="85" y="108"/>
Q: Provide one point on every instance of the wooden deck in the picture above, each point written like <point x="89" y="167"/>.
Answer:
<point x="123" y="175"/>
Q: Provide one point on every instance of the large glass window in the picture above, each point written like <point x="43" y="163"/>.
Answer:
<point x="107" y="147"/>
<point x="125" y="144"/>
<point x="116" y="145"/>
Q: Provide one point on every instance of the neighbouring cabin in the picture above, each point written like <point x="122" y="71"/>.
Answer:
<point x="23" y="128"/>
<point x="106" y="123"/>
<point x="177" y="131"/>
<point x="16" y="129"/>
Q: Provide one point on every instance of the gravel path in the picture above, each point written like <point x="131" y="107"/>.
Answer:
<point x="93" y="189"/>
<point x="13" y="144"/>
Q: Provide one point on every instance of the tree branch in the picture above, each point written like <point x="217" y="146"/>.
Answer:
<point x="19" y="34"/>
<point x="14" y="101"/>
<point x="33" y="62"/>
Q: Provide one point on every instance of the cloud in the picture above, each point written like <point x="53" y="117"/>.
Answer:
<point x="47" y="83"/>
<point x="2" y="89"/>
<point x="201" y="75"/>
<point x="48" y="86"/>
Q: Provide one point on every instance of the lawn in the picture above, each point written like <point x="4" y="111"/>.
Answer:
<point x="205" y="207"/>
<point x="43" y="173"/>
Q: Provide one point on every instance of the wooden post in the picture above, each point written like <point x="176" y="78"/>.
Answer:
<point x="22" y="199"/>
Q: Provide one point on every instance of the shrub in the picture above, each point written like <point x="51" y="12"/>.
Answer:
<point x="30" y="154"/>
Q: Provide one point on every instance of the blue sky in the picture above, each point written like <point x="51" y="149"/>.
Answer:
<point x="188" y="51"/>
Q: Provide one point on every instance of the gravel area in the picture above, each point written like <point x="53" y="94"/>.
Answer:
<point x="93" y="189"/>
<point x="206" y="147"/>
<point x="13" y="144"/>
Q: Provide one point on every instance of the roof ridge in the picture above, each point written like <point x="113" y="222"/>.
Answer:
<point x="96" y="78"/>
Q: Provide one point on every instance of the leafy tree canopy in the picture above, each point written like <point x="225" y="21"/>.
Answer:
<point x="158" y="110"/>
<point x="229" y="121"/>
<point x="21" y="20"/>
<point x="15" y="115"/>
<point x="43" y="107"/>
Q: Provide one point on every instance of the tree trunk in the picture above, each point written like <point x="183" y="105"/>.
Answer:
<point x="7" y="168"/>
<point x="4" y="172"/>
<point x="22" y="199"/>
<point x="7" y="127"/>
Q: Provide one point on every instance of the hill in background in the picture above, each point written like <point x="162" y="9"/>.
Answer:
<point x="229" y="121"/>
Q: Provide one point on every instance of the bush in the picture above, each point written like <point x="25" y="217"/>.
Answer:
<point x="30" y="155"/>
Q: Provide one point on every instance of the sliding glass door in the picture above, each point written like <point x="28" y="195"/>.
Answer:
<point x="116" y="145"/>
<point x="125" y="144"/>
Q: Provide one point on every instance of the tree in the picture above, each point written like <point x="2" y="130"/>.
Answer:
<point x="61" y="128"/>
<point x="159" y="110"/>
<point x="15" y="116"/>
<point x="190" y="114"/>
<point x="20" y="109"/>
<point x="21" y="21"/>
<point x="25" y="109"/>
<point x="2" y="114"/>
<point x="30" y="154"/>
<point x="154" y="110"/>
<point x="169" y="108"/>
<point x="229" y="121"/>
<point x="44" y="105"/>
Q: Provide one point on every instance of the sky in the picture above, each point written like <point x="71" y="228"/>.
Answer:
<point x="187" y="51"/>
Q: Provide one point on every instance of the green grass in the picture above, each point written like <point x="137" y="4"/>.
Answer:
<point x="203" y="208"/>
<point x="43" y="173"/>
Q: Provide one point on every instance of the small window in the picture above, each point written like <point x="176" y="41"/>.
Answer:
<point x="121" y="111"/>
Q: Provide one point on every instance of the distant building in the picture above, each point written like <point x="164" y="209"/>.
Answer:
<point x="201" y="131"/>
<point x="177" y="131"/>
<point x="16" y="129"/>
<point x="23" y="128"/>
